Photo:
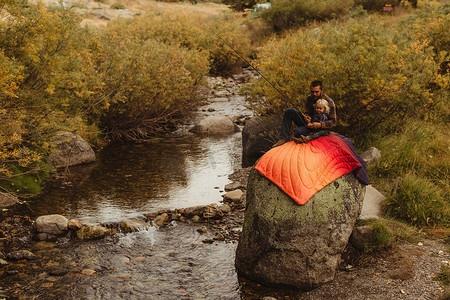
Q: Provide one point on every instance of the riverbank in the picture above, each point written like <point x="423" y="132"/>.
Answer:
<point x="198" y="252"/>
<point x="405" y="271"/>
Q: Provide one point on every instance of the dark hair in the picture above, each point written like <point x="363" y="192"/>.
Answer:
<point x="317" y="83"/>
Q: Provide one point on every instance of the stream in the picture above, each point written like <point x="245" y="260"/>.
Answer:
<point x="129" y="180"/>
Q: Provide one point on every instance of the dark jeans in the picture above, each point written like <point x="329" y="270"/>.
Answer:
<point x="292" y="115"/>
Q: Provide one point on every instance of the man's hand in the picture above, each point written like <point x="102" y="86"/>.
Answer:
<point x="315" y="125"/>
<point x="308" y="119"/>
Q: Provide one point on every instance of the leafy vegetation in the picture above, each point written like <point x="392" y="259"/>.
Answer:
<point x="420" y="155"/>
<point x="126" y="82"/>
<point x="377" y="76"/>
<point x="47" y="81"/>
<point x="285" y="14"/>
<point x="388" y="74"/>
<point x="118" y="6"/>
<point x="390" y="82"/>
<point x="388" y="232"/>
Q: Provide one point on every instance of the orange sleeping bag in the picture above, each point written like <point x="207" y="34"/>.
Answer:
<point x="301" y="170"/>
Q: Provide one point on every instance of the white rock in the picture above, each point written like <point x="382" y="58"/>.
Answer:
<point x="233" y="196"/>
<point x="215" y="125"/>
<point x="51" y="224"/>
<point x="371" y="203"/>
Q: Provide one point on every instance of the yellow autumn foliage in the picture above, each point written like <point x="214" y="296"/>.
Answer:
<point x="377" y="75"/>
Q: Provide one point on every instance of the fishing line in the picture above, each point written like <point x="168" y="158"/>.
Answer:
<point x="264" y="77"/>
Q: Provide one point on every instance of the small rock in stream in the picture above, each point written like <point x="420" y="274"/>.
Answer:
<point x="21" y="254"/>
<point x="202" y="229"/>
<point x="196" y="219"/>
<point x="161" y="219"/>
<point x="88" y="272"/>
<point x="74" y="224"/>
<point x="58" y="272"/>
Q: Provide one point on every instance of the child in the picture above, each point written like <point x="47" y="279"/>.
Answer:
<point x="322" y="111"/>
<point x="321" y="115"/>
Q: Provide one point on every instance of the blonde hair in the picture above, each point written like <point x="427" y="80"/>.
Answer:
<point x="323" y="103"/>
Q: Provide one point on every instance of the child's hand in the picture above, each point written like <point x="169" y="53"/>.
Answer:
<point x="315" y="125"/>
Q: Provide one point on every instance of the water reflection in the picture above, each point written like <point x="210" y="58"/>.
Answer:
<point x="131" y="179"/>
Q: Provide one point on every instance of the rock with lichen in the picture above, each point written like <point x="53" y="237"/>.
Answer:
<point x="284" y="243"/>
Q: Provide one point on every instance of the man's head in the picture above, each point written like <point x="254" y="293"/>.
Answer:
<point x="316" y="89"/>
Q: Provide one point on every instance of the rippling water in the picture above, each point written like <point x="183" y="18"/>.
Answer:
<point x="132" y="179"/>
<point x="129" y="180"/>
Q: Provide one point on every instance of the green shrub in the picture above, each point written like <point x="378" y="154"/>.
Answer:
<point x="376" y="75"/>
<point x="148" y="82"/>
<point x="375" y="5"/>
<point x="444" y="275"/>
<point x="430" y="24"/>
<point x="48" y="82"/>
<point x="24" y="183"/>
<point x="421" y="148"/>
<point x="194" y="32"/>
<point x="285" y="14"/>
<point x="419" y="202"/>
<point x="388" y="232"/>
<point x="118" y="6"/>
<point x="421" y="151"/>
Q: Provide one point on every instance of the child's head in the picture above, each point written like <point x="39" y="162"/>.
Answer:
<point x="321" y="106"/>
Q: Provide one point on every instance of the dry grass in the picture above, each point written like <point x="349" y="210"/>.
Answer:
<point x="137" y="6"/>
<point x="140" y="7"/>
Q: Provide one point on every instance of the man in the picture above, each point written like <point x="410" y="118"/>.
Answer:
<point x="303" y="121"/>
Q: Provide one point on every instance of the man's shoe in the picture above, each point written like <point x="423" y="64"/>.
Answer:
<point x="279" y="143"/>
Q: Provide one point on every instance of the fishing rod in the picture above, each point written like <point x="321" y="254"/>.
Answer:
<point x="257" y="71"/>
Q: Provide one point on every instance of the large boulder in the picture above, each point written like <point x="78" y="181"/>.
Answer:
<point x="284" y="243"/>
<point x="70" y="150"/>
<point x="258" y="136"/>
<point x="215" y="125"/>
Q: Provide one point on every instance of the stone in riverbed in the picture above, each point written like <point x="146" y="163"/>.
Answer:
<point x="232" y="186"/>
<point x="258" y="136"/>
<point x="225" y="209"/>
<point x="233" y="196"/>
<point x="133" y="225"/>
<point x="51" y="224"/>
<point x="284" y="243"/>
<point x="189" y="212"/>
<point x="70" y="150"/>
<point x="7" y="200"/>
<point x="21" y="254"/>
<point x="92" y="232"/>
<point x="161" y="219"/>
<point x="196" y="219"/>
<point x="211" y="211"/>
<point x="74" y="224"/>
<point x="42" y="236"/>
<point x="215" y="125"/>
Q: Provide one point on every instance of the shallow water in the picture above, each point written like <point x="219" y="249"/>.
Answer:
<point x="132" y="179"/>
